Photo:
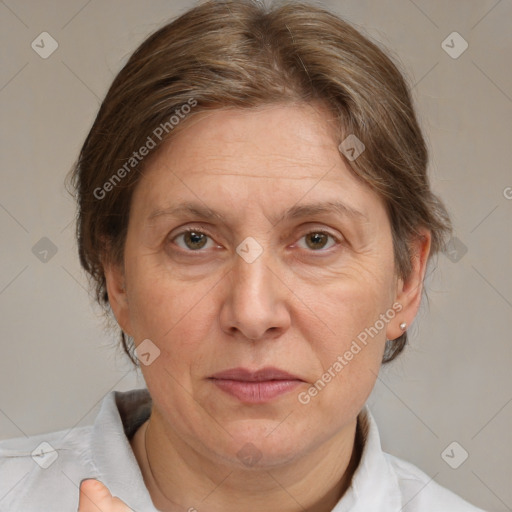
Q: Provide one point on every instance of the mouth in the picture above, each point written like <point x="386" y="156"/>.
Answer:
<point x="255" y="387"/>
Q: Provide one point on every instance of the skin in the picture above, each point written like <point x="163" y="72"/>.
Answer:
<point x="94" y="497"/>
<point x="297" y="307"/>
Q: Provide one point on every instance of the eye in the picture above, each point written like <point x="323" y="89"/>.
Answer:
<point x="318" y="240"/>
<point x="193" y="240"/>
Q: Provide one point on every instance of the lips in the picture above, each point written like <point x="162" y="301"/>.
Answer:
<point x="255" y="387"/>
<point x="242" y="374"/>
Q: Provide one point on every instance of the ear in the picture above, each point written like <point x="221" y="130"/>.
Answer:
<point x="117" y="295"/>
<point x="409" y="291"/>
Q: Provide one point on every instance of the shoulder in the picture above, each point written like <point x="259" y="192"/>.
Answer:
<point x="41" y="472"/>
<point x="421" y="493"/>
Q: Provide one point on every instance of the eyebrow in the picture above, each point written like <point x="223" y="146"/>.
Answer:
<point x="201" y="211"/>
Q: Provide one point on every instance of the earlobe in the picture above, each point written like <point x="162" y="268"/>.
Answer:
<point x="409" y="291"/>
<point x="117" y="295"/>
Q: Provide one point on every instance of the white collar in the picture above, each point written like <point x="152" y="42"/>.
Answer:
<point x="374" y="485"/>
<point x="121" y="413"/>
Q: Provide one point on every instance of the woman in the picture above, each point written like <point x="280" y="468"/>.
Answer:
<point x="255" y="211"/>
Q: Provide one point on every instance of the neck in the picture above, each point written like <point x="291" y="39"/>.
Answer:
<point x="315" y="483"/>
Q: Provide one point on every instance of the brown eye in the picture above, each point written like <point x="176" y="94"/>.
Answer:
<point x="318" y="240"/>
<point x="192" y="240"/>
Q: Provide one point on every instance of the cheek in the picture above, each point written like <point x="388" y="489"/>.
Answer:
<point x="346" y="304"/>
<point x="174" y="314"/>
<point x="346" y="330"/>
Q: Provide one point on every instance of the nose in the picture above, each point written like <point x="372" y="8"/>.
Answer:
<point x="255" y="305"/>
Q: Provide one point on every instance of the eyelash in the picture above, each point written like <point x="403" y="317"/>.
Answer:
<point x="202" y="232"/>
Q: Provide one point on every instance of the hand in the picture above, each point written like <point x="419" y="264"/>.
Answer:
<point x="95" y="497"/>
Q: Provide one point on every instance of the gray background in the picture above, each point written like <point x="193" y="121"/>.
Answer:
<point x="452" y="384"/>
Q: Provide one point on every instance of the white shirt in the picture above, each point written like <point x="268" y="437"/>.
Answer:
<point x="49" y="479"/>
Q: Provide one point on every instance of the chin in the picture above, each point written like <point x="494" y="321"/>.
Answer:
<point x="264" y="444"/>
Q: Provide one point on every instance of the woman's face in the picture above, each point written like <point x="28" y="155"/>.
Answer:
<point x="288" y="262"/>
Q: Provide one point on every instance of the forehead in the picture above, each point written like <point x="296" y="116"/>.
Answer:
<point x="255" y="142"/>
<point x="287" y="151"/>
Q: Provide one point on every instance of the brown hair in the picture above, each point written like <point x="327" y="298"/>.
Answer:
<point x="243" y="54"/>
